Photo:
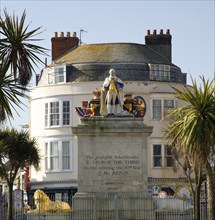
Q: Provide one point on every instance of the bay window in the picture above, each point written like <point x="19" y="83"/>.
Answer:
<point x="57" y="113"/>
<point x="57" y="156"/>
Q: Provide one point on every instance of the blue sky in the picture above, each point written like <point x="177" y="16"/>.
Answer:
<point x="191" y="25"/>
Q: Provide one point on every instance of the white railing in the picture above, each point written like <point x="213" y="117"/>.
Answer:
<point x="119" y="206"/>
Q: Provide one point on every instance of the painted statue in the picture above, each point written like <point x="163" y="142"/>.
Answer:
<point x="112" y="97"/>
<point x="44" y="204"/>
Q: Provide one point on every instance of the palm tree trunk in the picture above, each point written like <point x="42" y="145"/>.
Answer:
<point x="211" y="192"/>
<point x="196" y="215"/>
<point x="196" y="190"/>
<point x="10" y="202"/>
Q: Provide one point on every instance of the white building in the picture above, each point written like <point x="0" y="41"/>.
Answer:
<point x="76" y="71"/>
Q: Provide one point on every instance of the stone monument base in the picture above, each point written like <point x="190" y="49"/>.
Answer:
<point x="115" y="206"/>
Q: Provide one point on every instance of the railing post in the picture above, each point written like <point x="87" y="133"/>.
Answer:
<point x="116" y="202"/>
<point x="94" y="207"/>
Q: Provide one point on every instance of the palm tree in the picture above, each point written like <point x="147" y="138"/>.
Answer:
<point x="191" y="168"/>
<point x="16" y="50"/>
<point x="19" y="55"/>
<point x="194" y="127"/>
<point x="17" y="150"/>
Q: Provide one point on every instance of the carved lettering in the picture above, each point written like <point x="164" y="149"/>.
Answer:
<point x="112" y="165"/>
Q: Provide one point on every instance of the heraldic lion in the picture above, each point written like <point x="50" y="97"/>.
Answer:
<point x="44" y="204"/>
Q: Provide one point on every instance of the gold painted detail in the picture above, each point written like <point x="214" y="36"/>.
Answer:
<point x="112" y="87"/>
<point x="44" y="204"/>
<point x="96" y="106"/>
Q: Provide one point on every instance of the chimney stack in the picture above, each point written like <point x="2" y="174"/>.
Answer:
<point x="62" y="44"/>
<point x="161" y="43"/>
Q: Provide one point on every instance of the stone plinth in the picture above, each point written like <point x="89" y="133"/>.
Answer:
<point x="112" y="154"/>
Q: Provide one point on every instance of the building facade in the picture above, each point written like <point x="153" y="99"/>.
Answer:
<point x="75" y="72"/>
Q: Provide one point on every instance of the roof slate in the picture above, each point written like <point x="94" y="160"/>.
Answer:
<point x="112" y="53"/>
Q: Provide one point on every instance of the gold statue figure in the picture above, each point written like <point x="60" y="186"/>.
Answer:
<point x="44" y="204"/>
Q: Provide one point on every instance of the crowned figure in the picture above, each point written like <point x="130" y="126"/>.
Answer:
<point x="112" y="97"/>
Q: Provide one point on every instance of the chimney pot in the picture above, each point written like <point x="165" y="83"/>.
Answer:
<point x="61" y="34"/>
<point x="168" y="32"/>
<point x="74" y="34"/>
<point x="68" y="34"/>
<point x="154" y="32"/>
<point x="148" y="32"/>
<point x="161" y="31"/>
<point x="55" y="34"/>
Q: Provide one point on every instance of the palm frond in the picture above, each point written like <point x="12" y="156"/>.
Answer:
<point x="15" y="50"/>
<point x="194" y="123"/>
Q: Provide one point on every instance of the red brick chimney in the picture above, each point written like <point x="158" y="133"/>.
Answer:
<point x="161" y="43"/>
<point x="61" y="44"/>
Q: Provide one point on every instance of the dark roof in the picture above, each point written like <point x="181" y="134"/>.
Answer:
<point x="112" y="53"/>
<point x="91" y="62"/>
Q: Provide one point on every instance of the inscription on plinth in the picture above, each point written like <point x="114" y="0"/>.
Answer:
<point x="112" y="159"/>
<point x="112" y="165"/>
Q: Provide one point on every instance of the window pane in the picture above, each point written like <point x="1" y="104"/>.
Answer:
<point x="161" y="73"/>
<point x="152" y="72"/>
<point x="46" y="156"/>
<point x="54" y="113"/>
<point x="54" y="158"/>
<point x="65" y="155"/>
<point x="156" y="108"/>
<point x="157" y="149"/>
<point x="168" y="105"/>
<point x="157" y="72"/>
<point x="65" y="197"/>
<point x="46" y="114"/>
<point x="66" y="163"/>
<point x="169" y="162"/>
<point x="59" y="74"/>
<point x="157" y="158"/>
<point x="168" y="156"/>
<point x="66" y="112"/>
<point x="65" y="150"/>
<point x="168" y="150"/>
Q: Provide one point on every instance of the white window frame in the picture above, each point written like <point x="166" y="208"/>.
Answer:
<point x="159" y="72"/>
<point x="66" y="155"/>
<point x="164" y="156"/>
<point x="54" y="113"/>
<point x="59" y="115"/>
<point x="66" y="112"/>
<point x="57" y="156"/>
<point x="60" y="76"/>
<point x="160" y="112"/>
<point x="54" y="156"/>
